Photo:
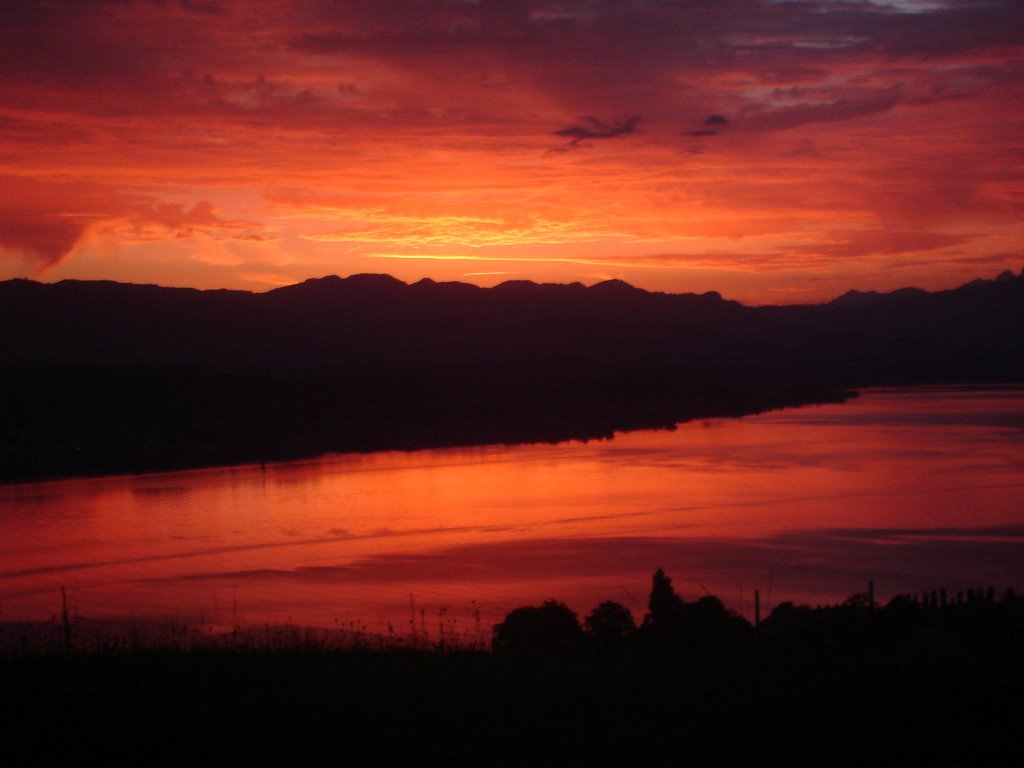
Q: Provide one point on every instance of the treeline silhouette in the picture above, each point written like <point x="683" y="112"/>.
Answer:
<point x="971" y="618"/>
<point x="101" y="377"/>
<point x="919" y="681"/>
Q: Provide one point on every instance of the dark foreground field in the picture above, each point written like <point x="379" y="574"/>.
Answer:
<point x="915" y="683"/>
<point x="922" y="706"/>
<point x="919" y="707"/>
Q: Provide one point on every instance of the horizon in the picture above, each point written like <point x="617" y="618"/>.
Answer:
<point x="854" y="290"/>
<point x="777" y="153"/>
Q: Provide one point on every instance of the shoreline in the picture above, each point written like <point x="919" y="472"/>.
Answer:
<point x="471" y="432"/>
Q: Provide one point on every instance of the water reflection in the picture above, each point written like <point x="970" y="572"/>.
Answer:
<point x="914" y="489"/>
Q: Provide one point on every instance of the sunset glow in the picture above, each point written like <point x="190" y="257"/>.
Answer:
<point x="777" y="152"/>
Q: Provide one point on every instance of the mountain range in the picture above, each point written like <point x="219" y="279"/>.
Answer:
<point x="109" y="377"/>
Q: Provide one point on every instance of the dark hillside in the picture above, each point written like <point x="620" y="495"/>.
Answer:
<point x="107" y="377"/>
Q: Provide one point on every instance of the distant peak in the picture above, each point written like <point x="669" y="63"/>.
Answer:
<point x="428" y="285"/>
<point x="1004" y="277"/>
<point x="855" y="298"/>
<point x="374" y="279"/>
<point x="852" y="298"/>
<point x="619" y="287"/>
<point x="515" y="285"/>
<point x="326" y="281"/>
<point x="332" y="283"/>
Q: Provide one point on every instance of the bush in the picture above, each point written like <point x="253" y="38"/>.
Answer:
<point x="545" y="629"/>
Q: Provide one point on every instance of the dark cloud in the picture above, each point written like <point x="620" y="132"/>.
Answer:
<point x="42" y="221"/>
<point x="933" y="32"/>
<point x="124" y="54"/>
<point x="712" y="124"/>
<point x="39" y="235"/>
<point x="35" y="224"/>
<point x="592" y="128"/>
<point x="783" y="118"/>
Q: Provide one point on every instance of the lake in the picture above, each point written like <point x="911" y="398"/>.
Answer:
<point x="913" y="488"/>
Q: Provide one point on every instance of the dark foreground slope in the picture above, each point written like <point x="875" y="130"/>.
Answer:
<point x="913" y="684"/>
<point x="103" y="377"/>
<point x="217" y="708"/>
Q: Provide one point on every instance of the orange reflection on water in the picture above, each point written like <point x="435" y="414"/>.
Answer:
<point x="914" y="489"/>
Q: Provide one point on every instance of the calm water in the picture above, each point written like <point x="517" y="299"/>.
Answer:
<point x="915" y="489"/>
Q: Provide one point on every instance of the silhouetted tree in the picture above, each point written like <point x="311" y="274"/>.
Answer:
<point x="709" y="617"/>
<point x="672" y="620"/>
<point x="609" y="624"/>
<point x="545" y="629"/>
<point x="859" y="602"/>
<point x="788" y="620"/>
<point x="663" y="606"/>
<point x="902" y="609"/>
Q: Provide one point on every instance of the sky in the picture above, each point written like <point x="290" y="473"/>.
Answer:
<point x="777" y="151"/>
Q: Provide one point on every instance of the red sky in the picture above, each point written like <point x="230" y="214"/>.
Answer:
<point x="775" y="151"/>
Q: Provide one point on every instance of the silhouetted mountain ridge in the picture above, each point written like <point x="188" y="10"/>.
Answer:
<point x="103" y="376"/>
<point x="851" y="298"/>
